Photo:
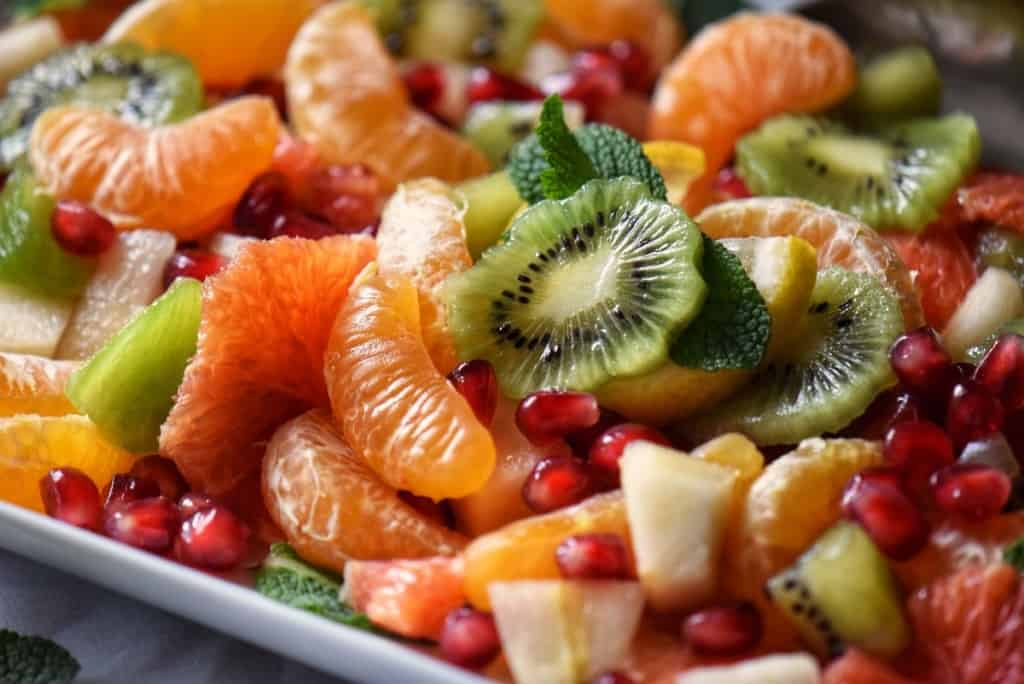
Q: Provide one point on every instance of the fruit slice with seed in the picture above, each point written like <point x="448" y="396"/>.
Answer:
<point x="582" y="290"/>
<point x="898" y="178"/>
<point x="496" y="127"/>
<point x="34" y="384"/>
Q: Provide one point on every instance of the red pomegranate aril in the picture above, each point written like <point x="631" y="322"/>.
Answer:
<point x="164" y="473"/>
<point x="921" y="364"/>
<point x="124" y="488"/>
<point x="608" y="447"/>
<point x="486" y="84"/>
<point x="890" y="408"/>
<point x="69" y="495"/>
<point x="970" y="491"/>
<point x="425" y="83"/>
<point x="1002" y="371"/>
<point x="993" y="451"/>
<point x="556" y="483"/>
<point x="614" y="678"/>
<point x="918" y="449"/>
<point x="875" y="499"/>
<point x="212" y="538"/>
<point x="476" y="382"/>
<point x="191" y="502"/>
<point x="724" y="630"/>
<point x="469" y="638"/>
<point x="192" y="263"/>
<point x="590" y="88"/>
<point x="266" y="199"/>
<point x="80" y="230"/>
<point x="729" y="185"/>
<point x="346" y="195"/>
<point x="549" y="415"/>
<point x="149" y="524"/>
<point x="297" y="225"/>
<point x="593" y="556"/>
<point x="973" y="412"/>
<point x="634" y="63"/>
<point x="582" y="440"/>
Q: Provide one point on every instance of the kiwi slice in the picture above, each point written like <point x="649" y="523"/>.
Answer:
<point x="143" y="87"/>
<point x="127" y="388"/>
<point x="582" y="290"/>
<point x="898" y="85"/>
<point x="827" y="380"/>
<point x="898" y="177"/>
<point x="491" y="202"/>
<point x="30" y="257"/>
<point x="496" y="127"/>
<point x="841" y="593"/>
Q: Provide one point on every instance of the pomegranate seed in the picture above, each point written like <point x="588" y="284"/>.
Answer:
<point x="921" y="364"/>
<point x="607" y="448"/>
<point x="918" y="449"/>
<point x="729" y="185"/>
<point x="124" y="488"/>
<point x="993" y="451"/>
<point x="347" y="195"/>
<point x="297" y="225"/>
<point x="582" y="440"/>
<point x="80" y="230"/>
<point x="890" y="408"/>
<point x="192" y="263"/>
<point x="213" y="538"/>
<point x="590" y="88"/>
<point x="149" y="524"/>
<point x="556" y="483"/>
<point x="975" y="492"/>
<point x="965" y="369"/>
<point x="614" y="678"/>
<point x="593" y="556"/>
<point x="266" y="200"/>
<point x="69" y="495"/>
<point x="164" y="473"/>
<point x="634" y="64"/>
<point x="476" y="381"/>
<point x="974" y="412"/>
<point x="875" y="499"/>
<point x="434" y="510"/>
<point x="1002" y="371"/>
<point x="469" y="638"/>
<point x="425" y="83"/>
<point x="725" y="630"/>
<point x="549" y="415"/>
<point x="192" y="502"/>
<point x="486" y="84"/>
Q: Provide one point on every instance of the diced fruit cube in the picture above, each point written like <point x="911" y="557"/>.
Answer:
<point x="993" y="300"/>
<point x="678" y="509"/>
<point x="491" y="202"/>
<point x="793" y="668"/>
<point x="31" y="324"/>
<point x="565" y="632"/>
<point x="227" y="245"/>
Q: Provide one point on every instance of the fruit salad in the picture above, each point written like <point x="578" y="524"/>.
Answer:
<point x="577" y="345"/>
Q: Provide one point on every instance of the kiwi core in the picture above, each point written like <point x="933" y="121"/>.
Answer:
<point x="582" y="283"/>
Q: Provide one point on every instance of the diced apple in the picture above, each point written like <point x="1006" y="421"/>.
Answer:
<point x="992" y="301"/>
<point x="26" y="43"/>
<point x="228" y="244"/>
<point x="678" y="510"/>
<point x="30" y="324"/>
<point x="128" y="278"/>
<point x="565" y="632"/>
<point x="791" y="668"/>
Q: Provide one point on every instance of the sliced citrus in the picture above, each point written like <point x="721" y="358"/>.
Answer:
<point x="994" y="198"/>
<point x="346" y="96"/>
<point x="414" y="429"/>
<point x="741" y="71"/>
<point x="407" y="597"/>
<point x="230" y="42"/>
<point x="266" y="320"/>
<point x="182" y="178"/>
<point x="525" y="550"/>
<point x="422" y="237"/>
<point x="34" y="384"/>
<point x="840" y="239"/>
<point x="333" y="508"/>
<point x="680" y="164"/>
<point x="856" y="667"/>
<point x="31" y="445"/>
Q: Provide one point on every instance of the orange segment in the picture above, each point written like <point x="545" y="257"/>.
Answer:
<point x="741" y="71"/>
<point x="422" y="237"/>
<point x="230" y="42"/>
<point x="266" y="320"/>
<point x="332" y="507"/>
<point x="345" y="96"/>
<point x="841" y="240"/>
<point x="182" y="178"/>
<point x="525" y="550"/>
<point x="34" y="384"/>
<point x="31" y="445"/>
<point x="414" y="429"/>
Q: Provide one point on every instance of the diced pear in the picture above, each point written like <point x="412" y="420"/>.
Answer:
<point x="992" y="301"/>
<point x="565" y="632"/>
<point x="678" y="509"/>
<point x="791" y="668"/>
<point x="26" y="43"/>
<point x="29" y="323"/>
<point x="228" y="244"/>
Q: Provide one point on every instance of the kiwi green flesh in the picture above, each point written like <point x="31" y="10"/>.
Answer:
<point x="495" y="127"/>
<point x="491" y="202"/>
<point x="582" y="290"/>
<point x="148" y="88"/>
<point x="827" y="381"/>
<point x="127" y="388"/>
<point x="30" y="257"/>
<point x="1002" y="248"/>
<point x="898" y="85"/>
<point x="841" y="593"/>
<point x="897" y="178"/>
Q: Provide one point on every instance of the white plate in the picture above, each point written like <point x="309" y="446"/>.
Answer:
<point x="230" y="608"/>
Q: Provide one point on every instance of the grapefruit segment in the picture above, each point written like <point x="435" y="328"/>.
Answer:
<point x="34" y="384"/>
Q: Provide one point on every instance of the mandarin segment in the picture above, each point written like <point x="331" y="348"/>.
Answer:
<point x="183" y="178"/>
<point x="332" y="507"/>
<point x="393" y="406"/>
<point x="266" y="321"/>
<point x="34" y="384"/>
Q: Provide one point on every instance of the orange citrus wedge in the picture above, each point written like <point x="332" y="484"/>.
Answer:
<point x="34" y="384"/>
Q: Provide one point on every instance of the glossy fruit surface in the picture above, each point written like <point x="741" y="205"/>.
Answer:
<point x="34" y="384"/>
<point x="163" y="473"/>
<point x="875" y="499"/>
<point x="556" y="483"/>
<point x="70" y="496"/>
<point x="149" y="524"/>
<point x="918" y="449"/>
<point x="608" y="447"/>
<point x="974" y="412"/>
<point x="265" y="200"/>
<point x="470" y="638"/>
<point x="922" y="364"/>
<point x="123" y="488"/>
<point x="191" y="502"/>
<point x="198" y="264"/>
<point x="994" y="198"/>
<point x="549" y="415"/>
<point x="945" y="269"/>
<point x="212" y="538"/>
<point x="1002" y="371"/>
<point x="594" y="556"/>
<point x="974" y="492"/>
<point x="723" y="630"/>
<point x="476" y="381"/>
<point x="856" y="667"/>
<point x="80" y="230"/>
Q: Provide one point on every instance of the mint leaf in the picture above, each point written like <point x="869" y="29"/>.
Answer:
<point x="569" y="167"/>
<point x="732" y="329"/>
<point x="284" y="577"/>
<point x="34" y="660"/>
<point x="1014" y="555"/>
